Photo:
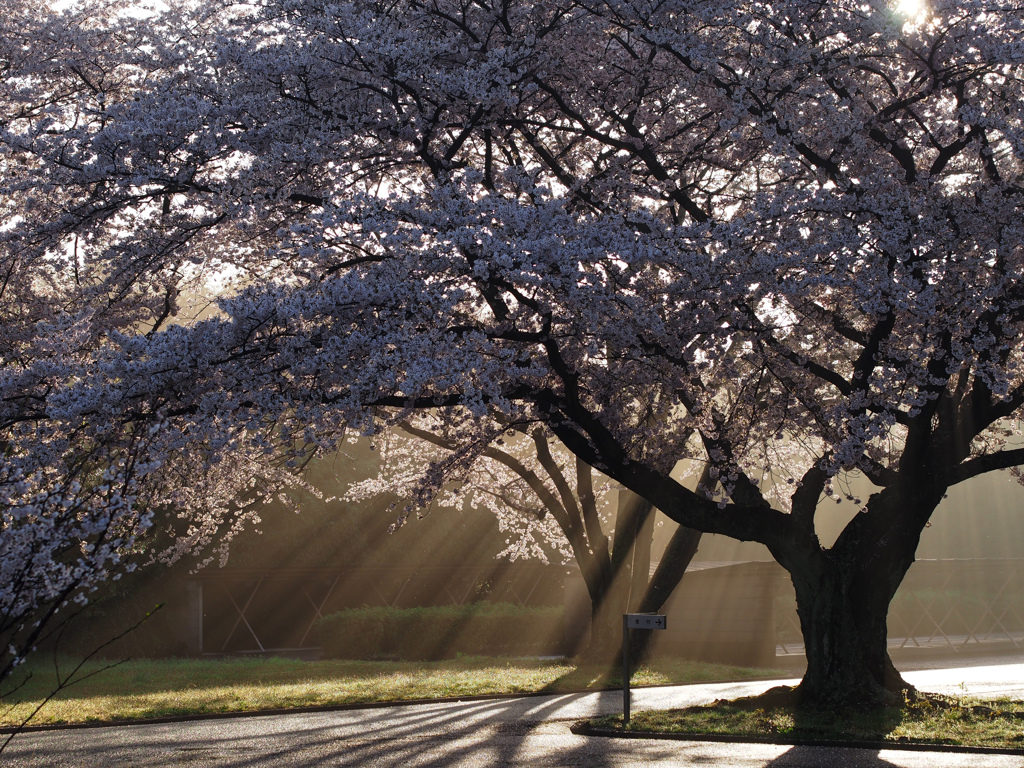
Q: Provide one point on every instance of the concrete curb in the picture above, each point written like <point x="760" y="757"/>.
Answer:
<point x="586" y="729"/>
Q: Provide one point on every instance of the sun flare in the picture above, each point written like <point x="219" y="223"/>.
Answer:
<point x="910" y="8"/>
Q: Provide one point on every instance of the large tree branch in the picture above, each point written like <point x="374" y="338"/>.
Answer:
<point x="805" y="498"/>
<point x="988" y="463"/>
<point x="569" y="502"/>
<point x="877" y="473"/>
<point x="588" y="501"/>
<point x="585" y="436"/>
<point x="866" y="361"/>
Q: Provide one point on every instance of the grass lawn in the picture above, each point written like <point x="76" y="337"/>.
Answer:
<point x="935" y="720"/>
<point x="159" y="688"/>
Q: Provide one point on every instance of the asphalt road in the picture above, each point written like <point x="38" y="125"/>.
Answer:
<point x="529" y="731"/>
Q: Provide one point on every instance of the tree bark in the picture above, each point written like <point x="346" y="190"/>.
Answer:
<point x="843" y="596"/>
<point x="845" y="640"/>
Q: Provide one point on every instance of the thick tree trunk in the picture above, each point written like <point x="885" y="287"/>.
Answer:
<point x="627" y="575"/>
<point x="639" y="566"/>
<point x="843" y="596"/>
<point x="674" y="562"/>
<point x="845" y="632"/>
<point x="604" y="631"/>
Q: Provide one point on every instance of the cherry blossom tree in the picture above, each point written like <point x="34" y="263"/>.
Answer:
<point x="92" y="487"/>
<point x="780" y="240"/>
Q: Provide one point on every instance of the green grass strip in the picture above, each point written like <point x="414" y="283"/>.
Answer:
<point x="143" y="689"/>
<point x="935" y="720"/>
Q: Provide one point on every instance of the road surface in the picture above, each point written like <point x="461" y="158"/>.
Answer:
<point x="528" y="731"/>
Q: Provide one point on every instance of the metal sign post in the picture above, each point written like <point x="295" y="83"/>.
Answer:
<point x="625" y="670"/>
<point x="634" y="621"/>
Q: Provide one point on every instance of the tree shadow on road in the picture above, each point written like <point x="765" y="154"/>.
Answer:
<point x="830" y="757"/>
<point x="475" y="733"/>
<point x="508" y="732"/>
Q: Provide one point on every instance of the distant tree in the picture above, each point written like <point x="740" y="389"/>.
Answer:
<point x="780" y="239"/>
<point x="547" y="501"/>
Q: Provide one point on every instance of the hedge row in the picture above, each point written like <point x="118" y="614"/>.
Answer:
<point x="489" y="629"/>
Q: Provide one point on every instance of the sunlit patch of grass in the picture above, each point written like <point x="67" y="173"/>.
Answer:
<point x="172" y="687"/>
<point x="932" y="720"/>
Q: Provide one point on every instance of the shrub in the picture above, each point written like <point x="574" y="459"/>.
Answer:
<point x="491" y="629"/>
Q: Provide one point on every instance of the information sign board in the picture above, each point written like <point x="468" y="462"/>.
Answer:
<point x="645" y="621"/>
